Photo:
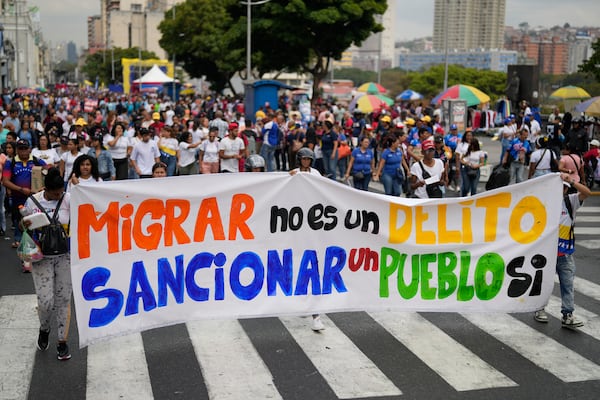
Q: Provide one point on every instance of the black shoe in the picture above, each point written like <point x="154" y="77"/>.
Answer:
<point x="63" y="351"/>
<point x="2" y="233"/>
<point x="42" y="343"/>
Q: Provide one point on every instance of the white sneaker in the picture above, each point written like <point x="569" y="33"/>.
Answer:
<point x="451" y="187"/>
<point x="317" y="324"/>
<point x="570" y="322"/>
<point x="541" y="316"/>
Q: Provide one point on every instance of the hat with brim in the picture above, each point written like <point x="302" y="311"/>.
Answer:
<point x="80" y="122"/>
<point x="22" y="144"/>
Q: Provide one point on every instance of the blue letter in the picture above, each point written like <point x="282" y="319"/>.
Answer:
<point x="101" y="316"/>
<point x="246" y="260"/>
<point x="166" y="278"/>
<point x="139" y="276"/>
<point x="199" y="261"/>
<point x="331" y="272"/>
<point x="279" y="272"/>
<point x="309" y="270"/>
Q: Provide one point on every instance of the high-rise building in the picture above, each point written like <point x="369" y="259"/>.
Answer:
<point x="468" y="24"/>
<point x="94" y="27"/>
<point x="377" y="51"/>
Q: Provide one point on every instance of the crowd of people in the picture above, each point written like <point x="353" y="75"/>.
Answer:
<point x="405" y="148"/>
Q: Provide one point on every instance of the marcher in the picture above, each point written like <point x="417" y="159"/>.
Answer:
<point x="361" y="165"/>
<point x="231" y="150"/>
<point x="144" y="155"/>
<point x="429" y="168"/>
<point x="472" y="162"/>
<point x="209" y="153"/>
<point x="186" y="162"/>
<point x="516" y="155"/>
<point x="159" y="170"/>
<point x="565" y="262"/>
<point x="52" y="275"/>
<point x="305" y="158"/>
<point x="106" y="167"/>
<point x="85" y="171"/>
<point x="392" y="167"/>
<point x="254" y="163"/>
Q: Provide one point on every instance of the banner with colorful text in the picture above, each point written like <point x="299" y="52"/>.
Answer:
<point x="156" y="252"/>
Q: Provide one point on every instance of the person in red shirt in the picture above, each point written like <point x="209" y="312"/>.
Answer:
<point x="590" y="160"/>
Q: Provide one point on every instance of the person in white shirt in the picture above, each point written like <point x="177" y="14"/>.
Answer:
<point x="433" y="166"/>
<point x="186" y="163"/>
<point x="507" y="133"/>
<point x="209" y="153"/>
<point x="67" y="159"/>
<point x="534" y="129"/>
<point x="118" y="144"/>
<point x="144" y="155"/>
<point x="231" y="150"/>
<point x="85" y="172"/>
<point x="46" y="153"/>
<point x="472" y="162"/>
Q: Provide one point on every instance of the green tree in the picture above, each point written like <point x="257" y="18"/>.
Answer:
<point x="99" y="63"/>
<point x="206" y="37"/>
<point x="307" y="35"/>
<point x="592" y="65"/>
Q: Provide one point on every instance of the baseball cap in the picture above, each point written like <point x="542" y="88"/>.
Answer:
<point x="156" y="116"/>
<point x="80" y="122"/>
<point x="426" y="118"/>
<point x="427" y="145"/>
<point x="438" y="138"/>
<point x="453" y="127"/>
<point x="386" y="118"/>
<point x="233" y="126"/>
<point x="409" y="121"/>
<point x="595" y="142"/>
<point x="22" y="143"/>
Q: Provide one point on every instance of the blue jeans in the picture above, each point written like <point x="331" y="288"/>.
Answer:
<point x="516" y="170"/>
<point x="565" y="268"/>
<point x="170" y="161"/>
<point x="268" y="153"/>
<point x="330" y="164"/>
<point x="362" y="184"/>
<point x="469" y="183"/>
<point x="392" y="185"/>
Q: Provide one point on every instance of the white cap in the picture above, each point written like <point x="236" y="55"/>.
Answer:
<point x="595" y="142"/>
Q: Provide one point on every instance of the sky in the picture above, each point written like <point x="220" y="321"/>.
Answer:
<point x="66" y="20"/>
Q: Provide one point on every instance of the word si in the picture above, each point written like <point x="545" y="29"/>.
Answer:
<point x="180" y="281"/>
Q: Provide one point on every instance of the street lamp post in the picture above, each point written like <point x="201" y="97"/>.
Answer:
<point x="249" y="4"/>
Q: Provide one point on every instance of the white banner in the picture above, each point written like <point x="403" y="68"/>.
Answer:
<point x="155" y="252"/>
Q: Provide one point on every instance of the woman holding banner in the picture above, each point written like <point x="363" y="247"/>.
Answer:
<point x="52" y="275"/>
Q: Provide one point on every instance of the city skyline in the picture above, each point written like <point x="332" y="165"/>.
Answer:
<point x="67" y="20"/>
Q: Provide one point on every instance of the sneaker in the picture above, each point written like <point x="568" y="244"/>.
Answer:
<point x="62" y="349"/>
<point x="451" y="187"/>
<point x="541" y="316"/>
<point x="317" y="324"/>
<point x="26" y="267"/>
<point x="42" y="342"/>
<point x="570" y="322"/>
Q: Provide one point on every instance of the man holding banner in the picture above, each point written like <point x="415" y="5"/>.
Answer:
<point x="565" y="263"/>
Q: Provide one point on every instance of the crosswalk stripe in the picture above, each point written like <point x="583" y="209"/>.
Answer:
<point x="591" y="320"/>
<point x="231" y="367"/>
<point x="586" y="230"/>
<point x="588" y="210"/>
<point x="585" y="287"/>
<point x="19" y="328"/>
<point x="581" y="219"/>
<point x="466" y="371"/>
<point x="543" y="351"/>
<point x="118" y="369"/>
<point x="330" y="350"/>
<point x="589" y="244"/>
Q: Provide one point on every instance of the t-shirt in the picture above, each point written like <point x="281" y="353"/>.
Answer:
<point x="50" y="206"/>
<point x="542" y="159"/>
<point x="210" y="151"/>
<point x="362" y="161"/>
<point x="231" y="147"/>
<point x="436" y="170"/>
<point x="20" y="174"/>
<point x="69" y="159"/>
<point x="144" y="155"/>
<point x="311" y="171"/>
<point x="50" y="156"/>
<point x="566" y="244"/>
<point x="187" y="155"/>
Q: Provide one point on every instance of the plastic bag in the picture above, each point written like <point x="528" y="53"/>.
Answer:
<point x="28" y="249"/>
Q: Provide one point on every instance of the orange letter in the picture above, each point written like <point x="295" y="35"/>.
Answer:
<point x="173" y="223"/>
<point x="238" y="216"/>
<point x="156" y="209"/>
<point x="87" y="219"/>
<point x="208" y="214"/>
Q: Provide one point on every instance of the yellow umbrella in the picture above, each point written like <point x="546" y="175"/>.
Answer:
<point x="570" y="92"/>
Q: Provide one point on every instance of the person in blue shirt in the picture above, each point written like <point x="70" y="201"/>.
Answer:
<point x="271" y="139"/>
<point x="516" y="155"/>
<point x="392" y="166"/>
<point x="361" y="165"/>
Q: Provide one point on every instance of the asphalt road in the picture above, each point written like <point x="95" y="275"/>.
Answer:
<point x="360" y="355"/>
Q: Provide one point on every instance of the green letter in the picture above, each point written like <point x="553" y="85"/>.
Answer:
<point x="489" y="262"/>
<point x="446" y="277"/>
<point x="465" y="292"/>
<point x="386" y="270"/>
<point x="408" y="291"/>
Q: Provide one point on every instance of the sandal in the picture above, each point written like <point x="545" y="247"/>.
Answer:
<point x="14" y="245"/>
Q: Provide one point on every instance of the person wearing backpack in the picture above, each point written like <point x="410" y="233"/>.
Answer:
<point x="52" y="274"/>
<point x="574" y="193"/>
<point x="16" y="177"/>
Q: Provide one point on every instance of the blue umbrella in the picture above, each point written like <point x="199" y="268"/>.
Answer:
<point x="409" y="95"/>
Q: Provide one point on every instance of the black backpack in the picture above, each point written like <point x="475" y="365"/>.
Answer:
<point x="53" y="239"/>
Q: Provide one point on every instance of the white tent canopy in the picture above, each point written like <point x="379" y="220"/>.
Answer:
<point x="155" y="75"/>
